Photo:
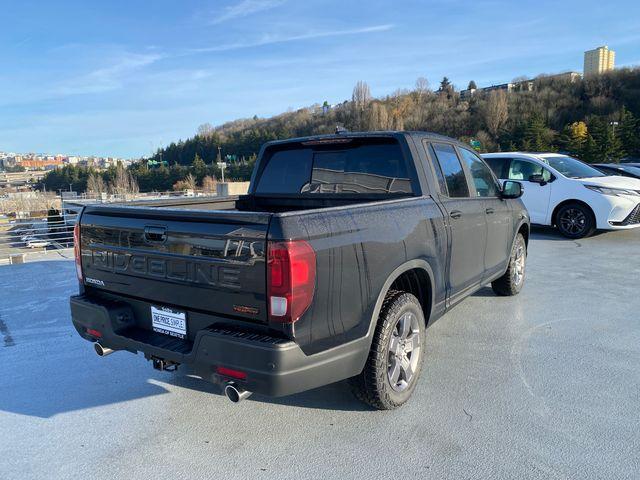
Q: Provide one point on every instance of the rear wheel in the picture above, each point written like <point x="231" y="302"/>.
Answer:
<point x="512" y="281"/>
<point x="395" y="359"/>
<point x="575" y="220"/>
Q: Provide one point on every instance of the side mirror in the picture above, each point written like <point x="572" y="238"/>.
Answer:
<point x="538" y="178"/>
<point x="511" y="189"/>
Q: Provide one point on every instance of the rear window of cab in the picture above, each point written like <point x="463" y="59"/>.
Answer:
<point x="336" y="166"/>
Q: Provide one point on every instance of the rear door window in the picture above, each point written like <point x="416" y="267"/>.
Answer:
<point x="500" y="166"/>
<point x="349" y="166"/>
<point x="524" y="169"/>
<point x="451" y="169"/>
<point x="481" y="174"/>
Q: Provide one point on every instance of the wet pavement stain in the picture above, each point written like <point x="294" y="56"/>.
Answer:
<point x="6" y="335"/>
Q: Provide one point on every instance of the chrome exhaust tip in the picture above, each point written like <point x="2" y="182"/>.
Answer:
<point x="235" y="393"/>
<point x="102" y="351"/>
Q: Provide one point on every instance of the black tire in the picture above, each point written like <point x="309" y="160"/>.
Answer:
<point x="373" y="386"/>
<point x="575" y="220"/>
<point x="513" y="279"/>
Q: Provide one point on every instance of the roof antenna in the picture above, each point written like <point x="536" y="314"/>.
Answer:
<point x="340" y="129"/>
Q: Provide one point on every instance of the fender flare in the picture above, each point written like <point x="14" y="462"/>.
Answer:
<point x="405" y="267"/>
<point x="517" y="230"/>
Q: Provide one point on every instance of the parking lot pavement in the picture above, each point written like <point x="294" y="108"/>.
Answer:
<point x="542" y="385"/>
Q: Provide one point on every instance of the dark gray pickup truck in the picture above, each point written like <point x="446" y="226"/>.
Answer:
<point x="346" y="248"/>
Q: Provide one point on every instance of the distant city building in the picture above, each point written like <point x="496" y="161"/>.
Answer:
<point x="568" y="76"/>
<point x="599" y="60"/>
<point x="520" y="85"/>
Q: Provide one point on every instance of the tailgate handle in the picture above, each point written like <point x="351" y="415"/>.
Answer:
<point x="155" y="234"/>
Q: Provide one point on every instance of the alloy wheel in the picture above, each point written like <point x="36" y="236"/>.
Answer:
<point x="573" y="221"/>
<point x="519" y="260"/>
<point x="404" y="352"/>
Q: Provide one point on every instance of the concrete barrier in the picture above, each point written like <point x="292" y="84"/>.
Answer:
<point x="232" y="188"/>
<point x="17" y="258"/>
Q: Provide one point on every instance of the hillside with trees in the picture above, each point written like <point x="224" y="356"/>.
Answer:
<point x="595" y="119"/>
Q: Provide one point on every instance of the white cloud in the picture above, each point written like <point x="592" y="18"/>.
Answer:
<point x="244" y="9"/>
<point x="271" y="39"/>
<point x="110" y="77"/>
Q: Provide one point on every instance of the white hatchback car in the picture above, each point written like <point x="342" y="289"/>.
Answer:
<point x="563" y="191"/>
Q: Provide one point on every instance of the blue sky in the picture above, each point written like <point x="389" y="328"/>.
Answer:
<point x="125" y="77"/>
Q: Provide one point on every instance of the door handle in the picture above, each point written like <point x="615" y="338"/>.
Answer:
<point x="155" y="234"/>
<point x="455" y="214"/>
<point x="489" y="211"/>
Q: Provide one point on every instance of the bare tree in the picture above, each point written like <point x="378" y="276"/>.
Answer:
<point x="133" y="184"/>
<point x="496" y="112"/>
<point x="379" y="118"/>
<point x="120" y="184"/>
<point x="422" y="88"/>
<point x="361" y="95"/>
<point x="209" y="184"/>
<point x="187" y="183"/>
<point x="205" y="130"/>
<point x="360" y="100"/>
<point x="95" y="184"/>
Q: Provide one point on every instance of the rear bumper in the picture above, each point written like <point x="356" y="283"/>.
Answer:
<point x="274" y="366"/>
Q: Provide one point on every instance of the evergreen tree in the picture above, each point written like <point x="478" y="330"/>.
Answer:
<point x="537" y="136"/>
<point x="608" y="145"/>
<point x="199" y="168"/>
<point x="629" y="133"/>
<point x="573" y="138"/>
<point x="590" y="152"/>
<point x="446" y="88"/>
<point x="472" y="85"/>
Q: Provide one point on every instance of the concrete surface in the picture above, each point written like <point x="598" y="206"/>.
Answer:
<point x="542" y="385"/>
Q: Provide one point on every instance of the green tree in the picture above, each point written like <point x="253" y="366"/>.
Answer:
<point x="446" y="88"/>
<point x="629" y="133"/>
<point x="199" y="168"/>
<point x="537" y="137"/>
<point x="608" y="144"/>
<point x="590" y="152"/>
<point x="573" y="138"/>
<point x="472" y="85"/>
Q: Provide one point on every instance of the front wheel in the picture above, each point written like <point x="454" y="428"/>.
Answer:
<point x="513" y="279"/>
<point x="395" y="359"/>
<point x="575" y="221"/>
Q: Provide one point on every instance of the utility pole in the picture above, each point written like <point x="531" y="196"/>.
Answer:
<point x="220" y="163"/>
<point x="613" y="125"/>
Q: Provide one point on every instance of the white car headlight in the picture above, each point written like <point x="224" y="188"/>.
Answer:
<point x="615" y="192"/>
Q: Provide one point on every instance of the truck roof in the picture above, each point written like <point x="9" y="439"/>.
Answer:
<point x="383" y="133"/>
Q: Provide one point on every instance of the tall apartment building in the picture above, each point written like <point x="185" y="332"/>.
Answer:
<point x="598" y="60"/>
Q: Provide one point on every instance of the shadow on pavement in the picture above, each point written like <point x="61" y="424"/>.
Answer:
<point x="45" y="394"/>
<point x="336" y="396"/>
<point x="539" y="232"/>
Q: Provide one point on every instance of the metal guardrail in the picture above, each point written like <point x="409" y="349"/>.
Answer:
<point x="36" y="236"/>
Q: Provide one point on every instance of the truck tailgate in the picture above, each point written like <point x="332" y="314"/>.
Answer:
<point x="211" y="262"/>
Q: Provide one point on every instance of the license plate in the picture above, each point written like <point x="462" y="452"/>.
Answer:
<point x="168" y="321"/>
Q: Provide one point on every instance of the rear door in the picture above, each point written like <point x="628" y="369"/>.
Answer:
<point x="466" y="216"/>
<point x="209" y="262"/>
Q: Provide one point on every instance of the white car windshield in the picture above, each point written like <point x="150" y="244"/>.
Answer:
<point x="572" y="167"/>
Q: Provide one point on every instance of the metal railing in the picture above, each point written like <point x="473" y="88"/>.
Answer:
<point x="35" y="236"/>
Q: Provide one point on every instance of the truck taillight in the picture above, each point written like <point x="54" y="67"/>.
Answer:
<point x="291" y="279"/>
<point x="76" y="250"/>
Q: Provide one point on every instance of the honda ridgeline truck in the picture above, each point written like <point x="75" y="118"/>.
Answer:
<point x="345" y="249"/>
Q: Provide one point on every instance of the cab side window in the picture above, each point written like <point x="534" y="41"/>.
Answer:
<point x="481" y="174"/>
<point x="499" y="165"/>
<point x="451" y="171"/>
<point x="523" y="170"/>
